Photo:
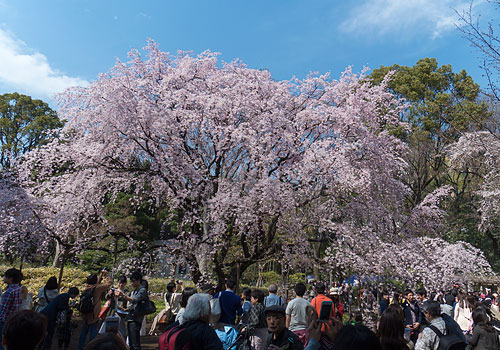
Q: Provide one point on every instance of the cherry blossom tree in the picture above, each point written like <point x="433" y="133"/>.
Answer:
<point x="21" y="231"/>
<point x="247" y="165"/>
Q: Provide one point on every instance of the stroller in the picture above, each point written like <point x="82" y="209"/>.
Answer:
<point x="234" y="338"/>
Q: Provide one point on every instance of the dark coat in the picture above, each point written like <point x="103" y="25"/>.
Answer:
<point x="286" y="340"/>
<point x="483" y="339"/>
<point x="203" y="337"/>
<point x="410" y="309"/>
<point x="59" y="303"/>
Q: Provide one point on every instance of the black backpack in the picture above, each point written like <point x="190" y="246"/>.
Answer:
<point x="86" y="305"/>
<point x="448" y="341"/>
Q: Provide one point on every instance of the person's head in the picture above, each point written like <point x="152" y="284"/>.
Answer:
<point x="230" y="283"/>
<point x="92" y="279"/>
<point x="246" y="294"/>
<point x="431" y="309"/>
<point x="385" y="295"/>
<point x="391" y="328"/>
<point x="320" y="288"/>
<point x="257" y="296"/>
<point x="421" y="294"/>
<point x="20" y="324"/>
<point x="73" y="292"/>
<point x="275" y="317"/>
<point x="209" y="289"/>
<point x="122" y="282"/>
<point x="471" y="302"/>
<point x="51" y="284"/>
<point x="186" y="294"/>
<point x="198" y="308"/>
<point x="357" y="337"/>
<point x="395" y="297"/>
<point x="409" y="295"/>
<point x="273" y="289"/>
<point x="300" y="289"/>
<point x="12" y="276"/>
<point x="449" y="299"/>
<point x="171" y="286"/>
<point x="136" y="279"/>
<point x="107" y="341"/>
<point x="479" y="315"/>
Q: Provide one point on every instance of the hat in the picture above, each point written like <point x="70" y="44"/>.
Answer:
<point x="275" y="309"/>
<point x="334" y="291"/>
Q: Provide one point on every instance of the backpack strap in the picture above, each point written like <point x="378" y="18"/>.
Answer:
<point x="435" y="330"/>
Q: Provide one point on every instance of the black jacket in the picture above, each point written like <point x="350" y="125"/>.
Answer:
<point x="203" y="337"/>
<point x="287" y="340"/>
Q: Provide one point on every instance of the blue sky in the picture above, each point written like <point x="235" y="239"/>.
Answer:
<point x="46" y="46"/>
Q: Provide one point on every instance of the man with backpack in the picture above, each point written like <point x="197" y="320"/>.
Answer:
<point x="438" y="335"/>
<point x="90" y="306"/>
<point x="230" y="304"/>
<point x="273" y="298"/>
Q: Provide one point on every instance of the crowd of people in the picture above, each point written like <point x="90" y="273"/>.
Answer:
<point x="254" y="319"/>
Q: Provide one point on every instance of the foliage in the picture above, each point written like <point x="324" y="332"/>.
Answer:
<point x="295" y="278"/>
<point x="24" y="124"/>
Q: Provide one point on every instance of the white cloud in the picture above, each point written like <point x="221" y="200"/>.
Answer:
<point x="403" y="17"/>
<point x="28" y="71"/>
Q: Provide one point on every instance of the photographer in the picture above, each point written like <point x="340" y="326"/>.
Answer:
<point x="134" y="321"/>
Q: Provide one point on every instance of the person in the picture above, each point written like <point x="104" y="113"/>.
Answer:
<point x="196" y="319"/>
<point x="173" y="296"/>
<point x="230" y="304"/>
<point x="357" y="337"/>
<point x="134" y="320"/>
<point x="257" y="326"/>
<point x="186" y="294"/>
<point x="335" y="296"/>
<point x="384" y="302"/>
<point x="119" y="304"/>
<point x="96" y="289"/>
<point x="273" y="298"/>
<point x="428" y="339"/>
<point x="484" y="336"/>
<point x="51" y="311"/>
<point x="246" y="295"/>
<point x="391" y="329"/>
<point x="296" y="316"/>
<point x="463" y="312"/>
<point x="47" y="293"/>
<point x="320" y="297"/>
<point x="24" y="330"/>
<point x="65" y="330"/>
<point x="26" y="299"/>
<point x="107" y="341"/>
<point x="447" y="307"/>
<point x="412" y="314"/>
<point x="280" y="337"/>
<point x="11" y="298"/>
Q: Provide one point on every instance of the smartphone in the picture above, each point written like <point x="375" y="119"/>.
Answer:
<point x="112" y="323"/>
<point x="326" y="310"/>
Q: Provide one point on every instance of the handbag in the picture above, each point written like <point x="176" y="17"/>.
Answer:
<point x="144" y="307"/>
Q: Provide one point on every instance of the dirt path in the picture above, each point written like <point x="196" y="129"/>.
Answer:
<point x="147" y="342"/>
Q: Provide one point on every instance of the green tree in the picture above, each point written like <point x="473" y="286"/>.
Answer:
<point x="442" y="105"/>
<point x="25" y="123"/>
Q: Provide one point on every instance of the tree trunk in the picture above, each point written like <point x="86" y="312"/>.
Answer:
<point x="57" y="255"/>
<point x="61" y="269"/>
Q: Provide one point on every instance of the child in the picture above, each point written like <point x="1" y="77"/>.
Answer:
<point x="64" y="331"/>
